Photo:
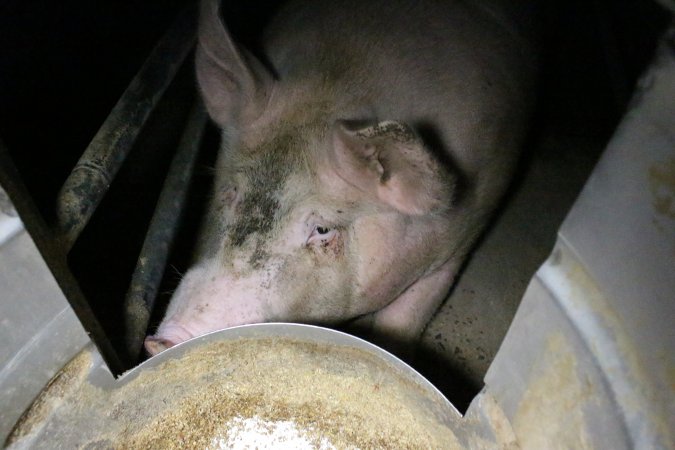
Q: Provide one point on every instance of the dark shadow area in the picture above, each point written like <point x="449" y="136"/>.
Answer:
<point x="245" y="20"/>
<point x="432" y="141"/>
<point x="63" y="66"/>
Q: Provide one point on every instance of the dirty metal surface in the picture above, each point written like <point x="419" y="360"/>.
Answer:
<point x="38" y="329"/>
<point x="592" y="340"/>
<point x="622" y="230"/>
<point x="53" y="254"/>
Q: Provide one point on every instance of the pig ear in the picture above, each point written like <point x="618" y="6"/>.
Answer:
<point x="234" y="84"/>
<point x="389" y="162"/>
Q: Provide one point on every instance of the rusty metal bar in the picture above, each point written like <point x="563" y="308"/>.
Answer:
<point x="90" y="179"/>
<point x="149" y="270"/>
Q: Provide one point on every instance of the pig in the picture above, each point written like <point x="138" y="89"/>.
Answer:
<point x="363" y="151"/>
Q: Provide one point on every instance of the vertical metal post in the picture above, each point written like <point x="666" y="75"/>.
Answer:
<point x="149" y="270"/>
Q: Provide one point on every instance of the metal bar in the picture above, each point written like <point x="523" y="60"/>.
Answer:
<point x="90" y="179"/>
<point x="149" y="270"/>
<point x="55" y="257"/>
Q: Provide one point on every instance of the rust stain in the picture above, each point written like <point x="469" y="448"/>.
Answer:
<point x="551" y="413"/>
<point x="60" y="387"/>
<point x="587" y="294"/>
<point x="662" y="187"/>
<point x="505" y="438"/>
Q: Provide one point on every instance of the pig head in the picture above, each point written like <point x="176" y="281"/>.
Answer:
<point x="361" y="157"/>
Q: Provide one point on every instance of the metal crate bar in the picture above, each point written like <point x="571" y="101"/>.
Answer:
<point x="90" y="179"/>
<point x="149" y="270"/>
<point x="53" y="254"/>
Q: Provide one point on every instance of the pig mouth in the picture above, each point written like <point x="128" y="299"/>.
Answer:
<point x="167" y="336"/>
<point x="155" y="345"/>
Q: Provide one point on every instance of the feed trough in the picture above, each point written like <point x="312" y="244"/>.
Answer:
<point x="257" y="386"/>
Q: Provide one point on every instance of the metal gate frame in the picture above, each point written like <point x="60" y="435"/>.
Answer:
<point x="91" y="178"/>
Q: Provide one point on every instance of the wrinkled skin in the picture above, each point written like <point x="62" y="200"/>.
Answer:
<point x="356" y="174"/>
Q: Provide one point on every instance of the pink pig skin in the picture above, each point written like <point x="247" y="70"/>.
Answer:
<point x="359" y="162"/>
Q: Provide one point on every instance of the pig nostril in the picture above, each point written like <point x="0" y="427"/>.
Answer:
<point x="155" y="345"/>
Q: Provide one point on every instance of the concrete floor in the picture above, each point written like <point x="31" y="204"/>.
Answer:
<point x="462" y="339"/>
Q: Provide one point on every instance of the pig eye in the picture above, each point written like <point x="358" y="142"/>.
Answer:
<point x="322" y="235"/>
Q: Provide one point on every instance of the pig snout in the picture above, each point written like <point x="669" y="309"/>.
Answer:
<point x="155" y="345"/>
<point x="171" y="334"/>
<point x="207" y="301"/>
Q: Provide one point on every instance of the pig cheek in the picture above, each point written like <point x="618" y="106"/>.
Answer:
<point x="315" y="285"/>
<point x="380" y="268"/>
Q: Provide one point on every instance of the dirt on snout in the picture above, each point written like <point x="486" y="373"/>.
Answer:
<point x="247" y="393"/>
